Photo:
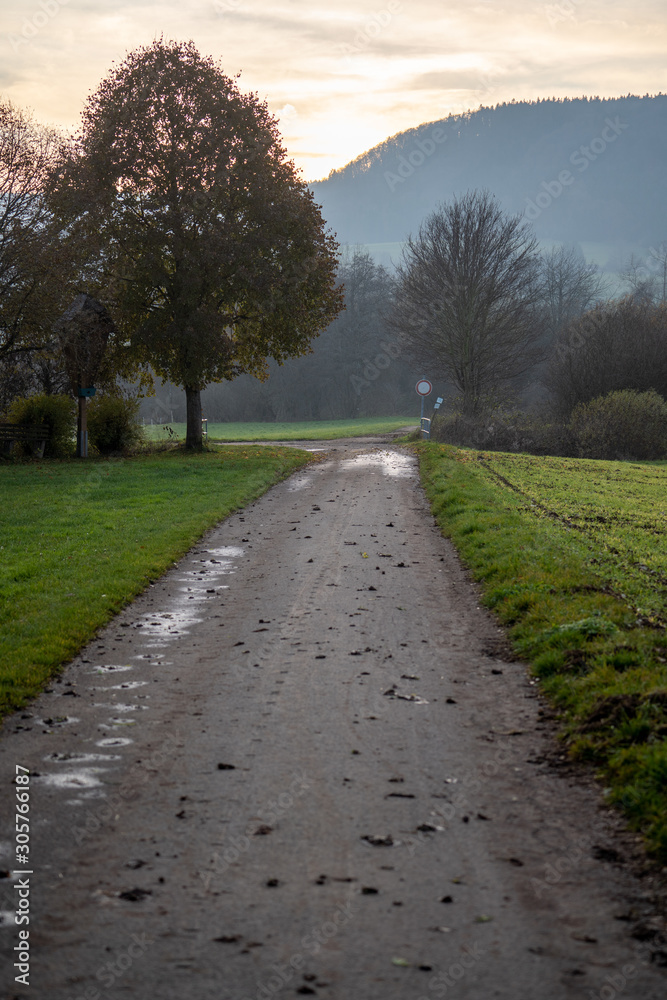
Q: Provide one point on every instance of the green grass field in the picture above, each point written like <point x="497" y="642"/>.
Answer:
<point x="78" y="540"/>
<point x="572" y="558"/>
<point x="310" y="430"/>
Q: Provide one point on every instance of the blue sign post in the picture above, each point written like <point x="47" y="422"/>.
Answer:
<point x="84" y="393"/>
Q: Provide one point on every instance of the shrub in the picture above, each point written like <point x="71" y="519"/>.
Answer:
<point x="503" y="430"/>
<point x="621" y="425"/>
<point x="113" y="423"/>
<point x="57" y="412"/>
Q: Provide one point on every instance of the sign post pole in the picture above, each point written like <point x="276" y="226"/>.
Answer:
<point x="424" y="388"/>
<point x="84" y="394"/>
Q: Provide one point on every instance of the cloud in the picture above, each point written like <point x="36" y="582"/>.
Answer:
<point x="288" y="112"/>
<point x="357" y="72"/>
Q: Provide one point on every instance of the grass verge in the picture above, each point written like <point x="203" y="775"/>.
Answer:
<point x="308" y="430"/>
<point x="569" y="555"/>
<point x="79" y="540"/>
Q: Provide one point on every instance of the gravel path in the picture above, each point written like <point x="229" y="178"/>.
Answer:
<point x="300" y="764"/>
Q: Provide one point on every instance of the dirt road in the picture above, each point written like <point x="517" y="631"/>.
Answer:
<point x="299" y="765"/>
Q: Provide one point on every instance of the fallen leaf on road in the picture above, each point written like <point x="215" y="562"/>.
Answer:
<point x="483" y="919"/>
<point x="134" y="895"/>
<point x="402" y="962"/>
<point x="376" y="840"/>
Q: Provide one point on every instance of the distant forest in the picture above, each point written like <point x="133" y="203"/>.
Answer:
<point x="582" y="170"/>
<point x="614" y="151"/>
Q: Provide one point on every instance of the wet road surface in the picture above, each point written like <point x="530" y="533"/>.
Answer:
<point x="299" y="765"/>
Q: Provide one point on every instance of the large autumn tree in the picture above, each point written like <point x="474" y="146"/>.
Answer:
<point x="203" y="241"/>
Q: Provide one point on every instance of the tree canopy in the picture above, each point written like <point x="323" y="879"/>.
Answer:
<point x="202" y="239"/>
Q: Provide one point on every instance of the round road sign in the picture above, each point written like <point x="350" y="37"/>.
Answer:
<point x="424" y="387"/>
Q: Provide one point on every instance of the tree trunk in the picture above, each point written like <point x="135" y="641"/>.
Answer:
<point x="193" y="435"/>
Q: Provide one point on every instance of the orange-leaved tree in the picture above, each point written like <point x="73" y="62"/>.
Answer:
<point x="201" y="238"/>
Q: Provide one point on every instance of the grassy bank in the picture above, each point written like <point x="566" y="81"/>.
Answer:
<point x="308" y="430"/>
<point x="80" y="539"/>
<point x="571" y="557"/>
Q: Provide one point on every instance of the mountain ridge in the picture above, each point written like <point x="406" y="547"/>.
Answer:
<point x="585" y="169"/>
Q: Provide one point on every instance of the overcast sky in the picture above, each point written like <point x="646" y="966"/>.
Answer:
<point x="342" y="77"/>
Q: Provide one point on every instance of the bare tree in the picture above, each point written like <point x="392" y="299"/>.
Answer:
<point x="659" y="257"/>
<point x="30" y="265"/>
<point x="568" y="286"/>
<point x="616" y="345"/>
<point x="468" y="296"/>
<point x="637" y="276"/>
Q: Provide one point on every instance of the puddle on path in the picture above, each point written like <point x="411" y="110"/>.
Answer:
<point x="125" y="686"/>
<point x="84" y="777"/>
<point x="392" y="463"/>
<point x="80" y="758"/>
<point x="120" y="707"/>
<point x="228" y="552"/>
<point x="57" y="720"/>
<point x="78" y="770"/>
<point x="161" y="627"/>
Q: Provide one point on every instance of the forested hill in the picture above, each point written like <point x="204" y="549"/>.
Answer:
<point x="584" y="170"/>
